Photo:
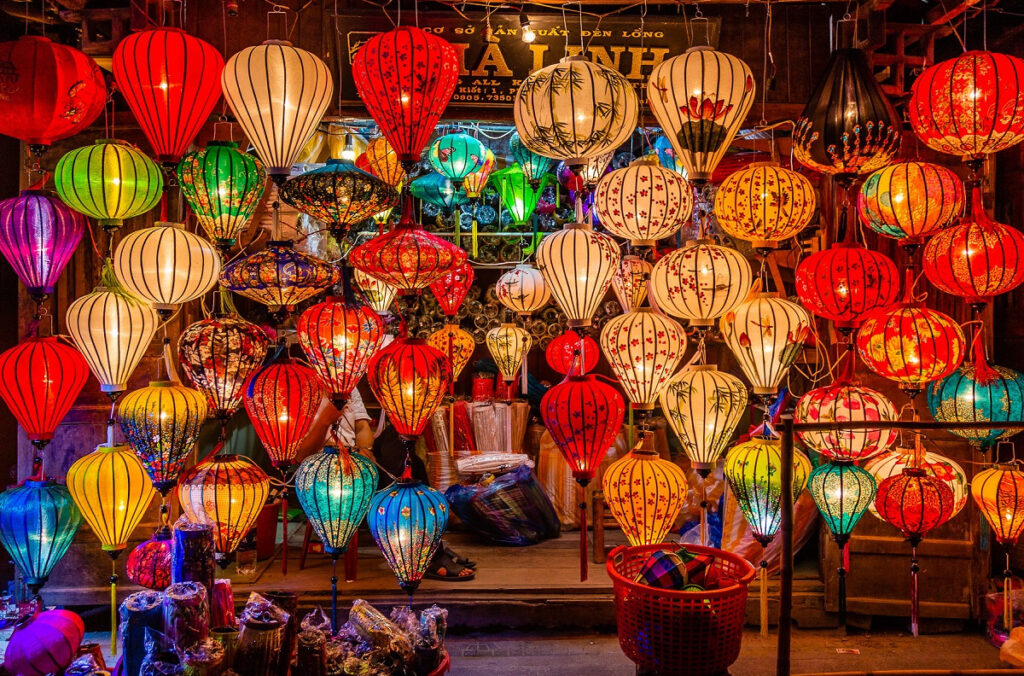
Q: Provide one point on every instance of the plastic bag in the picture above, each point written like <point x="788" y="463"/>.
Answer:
<point x="259" y="609"/>
<point x="162" y="656"/>
<point x="379" y="631"/>
<point x="86" y="665"/>
<point x="316" y="620"/>
<point x="511" y="509"/>
<point x="490" y="463"/>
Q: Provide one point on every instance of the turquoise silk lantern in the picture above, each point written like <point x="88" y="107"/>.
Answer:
<point x="38" y="521"/>
<point x="437" y="190"/>
<point x="456" y="156"/>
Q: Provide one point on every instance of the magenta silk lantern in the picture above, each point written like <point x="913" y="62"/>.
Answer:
<point x="38" y="235"/>
<point x="44" y="644"/>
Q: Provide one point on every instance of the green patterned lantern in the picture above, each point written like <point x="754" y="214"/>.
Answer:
<point x="456" y="156"/>
<point x="438" y="190"/>
<point x="517" y="192"/>
<point x="222" y="186"/>
<point x="533" y="165"/>
<point x="110" y="181"/>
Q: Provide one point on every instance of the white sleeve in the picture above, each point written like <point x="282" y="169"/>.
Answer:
<point x="355" y="409"/>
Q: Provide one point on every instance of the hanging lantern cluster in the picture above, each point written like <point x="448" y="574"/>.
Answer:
<point x="218" y="355"/>
<point x="226" y="492"/>
<point x="910" y="201"/>
<point x="523" y="290"/>
<point x="279" y="276"/>
<point x="281" y="399"/>
<point x="38" y="521"/>
<point x="38" y="235"/>
<point x="339" y="194"/>
<point x="409" y="379"/>
<point x="645" y="494"/>
<point x="764" y="204"/>
<point x="630" y="282"/>
<point x="643" y="348"/>
<point x="643" y="202"/>
<point x="569" y="351"/>
<point x="845" y="401"/>
<point x="701" y="282"/>
<point x="578" y="264"/>
<point x="766" y="334"/>
<point x="508" y="345"/>
<point x="338" y="339"/>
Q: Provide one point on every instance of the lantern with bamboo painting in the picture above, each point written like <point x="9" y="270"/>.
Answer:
<point x="765" y="204"/>
<point x="455" y="342"/>
<point x="456" y="156"/>
<point x="910" y="201"/>
<point x="281" y="399"/>
<point x="644" y="493"/>
<point x="577" y="264"/>
<point x="523" y="290"/>
<point x="451" y="289"/>
<point x="339" y="194"/>
<point x="381" y="160"/>
<point x="643" y="348"/>
<point x="847" y="282"/>
<point x="409" y="379"/>
<point x="38" y="235"/>
<point x="846" y="401"/>
<point x="571" y="352"/>
<point x="379" y="295"/>
<point x="508" y="345"/>
<point x="279" y="276"/>
<point x="643" y="202"/>
<point x="533" y="165"/>
<point x="701" y="282"/>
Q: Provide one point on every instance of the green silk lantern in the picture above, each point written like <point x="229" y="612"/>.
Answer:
<point x="456" y="156"/>
<point x="517" y="192"/>
<point x="110" y="181"/>
<point x="438" y="190"/>
<point x="534" y="166"/>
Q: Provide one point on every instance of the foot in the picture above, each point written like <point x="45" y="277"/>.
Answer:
<point x="468" y="563"/>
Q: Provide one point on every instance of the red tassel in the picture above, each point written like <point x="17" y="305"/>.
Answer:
<point x="584" y="574"/>
<point x="914" y="609"/>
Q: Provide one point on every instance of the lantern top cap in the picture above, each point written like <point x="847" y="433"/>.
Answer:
<point x="222" y="144"/>
<point x="39" y="483"/>
<point x="573" y="58"/>
<point x="168" y="224"/>
<point x="331" y="450"/>
<point x="114" y="141"/>
<point x="576" y="226"/>
<point x="766" y="163"/>
<point x="282" y="43"/>
<point x="1002" y="466"/>
<point x="646" y="160"/>
<point x="914" y="471"/>
<point x="704" y="241"/>
<point x="160" y="383"/>
<point x="224" y="457"/>
<point x="112" y="448"/>
<point x="281" y="243"/>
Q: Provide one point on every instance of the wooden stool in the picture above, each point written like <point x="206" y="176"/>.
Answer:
<point x="351" y="553"/>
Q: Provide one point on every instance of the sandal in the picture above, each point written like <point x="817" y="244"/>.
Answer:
<point x="446" y="569"/>
<point x="468" y="563"/>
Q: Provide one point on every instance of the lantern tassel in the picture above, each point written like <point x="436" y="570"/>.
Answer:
<point x="914" y="596"/>
<point x="584" y="573"/>
<point x="703" y="513"/>
<point x="451" y="429"/>
<point x="842" y="585"/>
<point x="284" y="530"/>
<point x="334" y="594"/>
<point x="1007" y="589"/>
<point x="764" y="597"/>
<point x="474" y="238"/>
<point x="113" y="606"/>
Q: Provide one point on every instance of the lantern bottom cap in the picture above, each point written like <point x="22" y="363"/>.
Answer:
<point x="642" y="242"/>
<point x="577" y="323"/>
<point x="113" y="389"/>
<point x="764" y="244"/>
<point x="765" y="390"/>
<point x="702" y="323"/>
<point x="642" y="407"/>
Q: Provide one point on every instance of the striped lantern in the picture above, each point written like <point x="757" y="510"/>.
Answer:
<point x="227" y="492"/>
<point x="38" y="521"/>
<point x="643" y="202"/>
<point x="339" y="194"/>
<point x="645" y="495"/>
<point x="279" y="276"/>
<point x="911" y="201"/>
<point x="766" y="335"/>
<point x="218" y="355"/>
<point x="846" y="282"/>
<point x="753" y="470"/>
<point x="409" y="379"/>
<point x="381" y="160"/>
<point x="533" y="166"/>
<point x="701" y="282"/>
<point x="844" y="401"/>
<point x="379" y="295"/>
<point x="457" y="343"/>
<point x="914" y="502"/>
<point x="630" y="282"/>
<point x="842" y="492"/>
<point x="578" y="264"/>
<point x="456" y="156"/>
<point x="334" y="488"/>
<point x="523" y="290"/>
<point x="643" y="348"/>
<point x="474" y="183"/>
<point x="570" y="352"/>
<point x="38" y="235"/>
<point x="451" y="289"/>
<point x="583" y="416"/>
<point x="282" y="399"/>
<point x="508" y="345"/>
<point x="764" y="204"/>
<point x="438" y="190"/>
<point x="999" y="493"/>
<point x="894" y="461"/>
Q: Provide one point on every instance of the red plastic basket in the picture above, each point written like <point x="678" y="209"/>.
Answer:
<point x="677" y="632"/>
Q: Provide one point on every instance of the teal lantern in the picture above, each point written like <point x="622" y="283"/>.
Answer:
<point x="438" y="190"/>
<point x="407" y="520"/>
<point x="534" y="166"/>
<point x="456" y="156"/>
<point x="517" y="192"/>
<point x="667" y="155"/>
<point x="335" y="488"/>
<point x="38" y="521"/>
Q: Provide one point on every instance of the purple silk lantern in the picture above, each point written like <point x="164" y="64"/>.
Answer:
<point x="38" y="234"/>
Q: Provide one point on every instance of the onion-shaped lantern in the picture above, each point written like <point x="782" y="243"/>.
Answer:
<point x="38" y="235"/>
<point x="845" y="401"/>
<point x="112" y="490"/>
<point x="57" y="91"/>
<point x="703" y="406"/>
<point x="999" y="494"/>
<point x="161" y="424"/>
<point x="764" y="204"/>
<point x="645" y="495"/>
<point x="218" y="355"/>
<point x="378" y="295"/>
<point x="171" y="83"/>
<point x="110" y="181"/>
<point x="458" y="344"/>
<point x="910" y="201"/>
<point x="38" y="521"/>
<point x="407" y="520"/>
<point x="700" y="98"/>
<point x="112" y="331"/>
<point x="278" y="94"/>
<point x="339" y="194"/>
<point x="630" y="282"/>
<point x="473" y="184"/>
<point x="338" y="340"/>
<point x="409" y="379"/>
<point x="578" y="264"/>
<point x="508" y="345"/>
<point x="166" y="265"/>
<point x="766" y="335"/>
<point x="451" y="289"/>
<point x="405" y="78"/>
<point x="970" y="105"/>
<point x="574" y="110"/>
<point x="279" y="276"/>
<point x="39" y="381"/>
<point x="533" y="166"/>
<point x="977" y="259"/>
<point x="226" y="492"/>
<point x="583" y="416"/>
<point x="848" y="126"/>
<point x="149" y="563"/>
<point x="523" y="290"/>
<point x="438" y="190"/>
<point x="893" y="462"/>
<point x="701" y="282"/>
<point x="518" y="193"/>
<point x="754" y="472"/>
<point x="847" y="282"/>
<point x="569" y="352"/>
<point x="643" y="348"/>
<point x="381" y="160"/>
<point x="643" y="202"/>
<point x="281" y="399"/>
<point x="456" y="156"/>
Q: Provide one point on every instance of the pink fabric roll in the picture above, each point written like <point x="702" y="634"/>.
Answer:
<point x="222" y="604"/>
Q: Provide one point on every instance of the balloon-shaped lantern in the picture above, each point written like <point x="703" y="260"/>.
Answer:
<point x="523" y="290"/>
<point x="766" y="334"/>
<point x="281" y="399"/>
<point x="457" y="343"/>
<point x="451" y="289"/>
<point x="149" y="563"/>
<point x="894" y="461"/>
<point x="571" y="352"/>
<point x="456" y="156"/>
<point x="381" y="160"/>
<point x="578" y="264"/>
<point x="433" y="188"/>
<point x="643" y="348"/>
<point x="279" y="276"/>
<point x="845" y="401"/>
<point x="38" y="521"/>
<point x="764" y="204"/>
<point x="409" y="379"/>
<point x="378" y="294"/>
<point x="533" y="166"/>
<point x="226" y="492"/>
<point x="339" y="194"/>
<point x="643" y="202"/>
<point x="474" y="183"/>
<point x="630" y="282"/>
<point x="910" y="201"/>
<point x="701" y="282"/>
<point x="218" y="355"/>
<point x="846" y="282"/>
<point x="38" y="235"/>
<point x="508" y="345"/>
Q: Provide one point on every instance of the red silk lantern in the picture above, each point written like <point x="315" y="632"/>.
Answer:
<point x="49" y="92"/>
<point x="405" y="78"/>
<point x="846" y="282"/>
<point x="339" y="340"/>
<point x="451" y="289"/>
<point x="281" y="400"/>
<point x="976" y="259"/>
<point x="409" y="379"/>
<point x="171" y="82"/>
<point x="583" y="415"/>
<point x="39" y="380"/>
<point x="563" y="350"/>
<point x="149" y="564"/>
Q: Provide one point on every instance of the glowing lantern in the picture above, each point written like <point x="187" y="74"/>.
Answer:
<point x="218" y="355"/>
<point x="456" y="156"/>
<point x="451" y="289"/>
<point x="704" y="405"/>
<point x="643" y="202"/>
<point x="149" y="564"/>
<point x="38" y="235"/>
<point x="38" y="521"/>
<point x="378" y="295"/>
<point x="281" y="399"/>
<point x="456" y="343"/>
<point x="584" y="176"/>
<point x="518" y="193"/>
<point x="999" y="494"/>
<point x="161" y="424"/>
<point x="847" y="282"/>
<point x="571" y="352"/>
<point x="630" y="282"/>
<point x="409" y="379"/>
<point x="170" y="81"/>
<point x="666" y="155"/>
<point x="701" y="282"/>
<point x="766" y="335"/>
<point x="848" y="126"/>
<point x="166" y="265"/>
<point x="437" y="190"/>
<point x="339" y="339"/>
<point x="910" y="201"/>
<point x="382" y="161"/>
<point x="110" y="181"/>
<point x="533" y="166"/>
<point x="226" y="492"/>
<point x="39" y="381"/>
<point x="339" y="194"/>
<point x="578" y="264"/>
<point x="473" y="184"/>
<point x="508" y="345"/>
<point x="523" y="290"/>
<point x="892" y="463"/>
<point x="52" y="91"/>
<point x="112" y="331"/>
<point x="845" y="401"/>
<point x="112" y="490"/>
<point x="593" y="116"/>
<point x="754" y="472"/>
<point x="644" y="348"/>
<point x="583" y="416"/>
<point x="279" y="276"/>
<point x="764" y="204"/>
<point x="969" y="105"/>
<point x="278" y="94"/>
<point x="645" y="495"/>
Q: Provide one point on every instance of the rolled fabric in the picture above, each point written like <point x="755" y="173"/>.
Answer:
<point x="186" y="613"/>
<point x="288" y="602"/>
<point x="192" y="554"/>
<point x="140" y="611"/>
<point x="311" y="656"/>
<point x="222" y="604"/>
<point x="228" y="638"/>
<point x="260" y="644"/>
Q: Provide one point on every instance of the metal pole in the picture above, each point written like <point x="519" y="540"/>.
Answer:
<point x="786" y="567"/>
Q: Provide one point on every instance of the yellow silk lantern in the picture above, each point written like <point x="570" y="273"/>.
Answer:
<point x="455" y="342"/>
<point x="766" y="334"/>
<point x="701" y="282"/>
<point x="378" y="294"/>
<point x="523" y="290"/>
<point x="630" y="282"/>
<point x="999" y="494"/>
<point x="578" y="264"/>
<point x="764" y="204"/>
<point x="508" y="345"/>
<point x="644" y="348"/>
<point x="382" y="161"/>
<point x="228" y="492"/>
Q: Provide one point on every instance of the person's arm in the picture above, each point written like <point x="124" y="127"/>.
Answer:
<point x="314" y="440"/>
<point x="364" y="437"/>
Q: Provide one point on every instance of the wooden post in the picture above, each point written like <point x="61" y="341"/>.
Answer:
<point x="598" y="505"/>
<point x="786" y="567"/>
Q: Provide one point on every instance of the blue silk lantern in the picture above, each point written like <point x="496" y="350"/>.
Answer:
<point x="335" y="488"/>
<point x="438" y="190"/>
<point x="534" y="166"/>
<point x="667" y="155"/>
<point x="456" y="156"/>
<point x="407" y="520"/>
<point x="38" y="521"/>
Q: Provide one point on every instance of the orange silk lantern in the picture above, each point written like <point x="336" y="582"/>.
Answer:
<point x="644" y="493"/>
<point x="409" y="379"/>
<point x="910" y="201"/>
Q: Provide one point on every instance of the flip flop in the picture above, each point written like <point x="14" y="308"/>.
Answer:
<point x="453" y="571"/>
<point x="468" y="563"/>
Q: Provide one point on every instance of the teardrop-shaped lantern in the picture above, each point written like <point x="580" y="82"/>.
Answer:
<point x="700" y="98"/>
<point x="578" y="264"/>
<point x="339" y="194"/>
<point x="643" y="348"/>
<point x="171" y="83"/>
<point x="754" y="472"/>
<point x="281" y="399"/>
<point x="335" y="488"/>
<point x="523" y="290"/>
<point x="451" y="289"/>
<point x="382" y="161"/>
<point x="218" y="355"/>
<point x="848" y="126"/>
<point x="630" y="282"/>
<point x="38" y="521"/>
<point x="704" y="405"/>
<point x="278" y="94"/>
<point x="39" y="381"/>
<point x="508" y="345"/>
<point x="518" y="193"/>
<point x="842" y="492"/>
<point x="338" y="339"/>
<point x="643" y="202"/>
<point x="378" y="295"/>
<point x="766" y="335"/>
<point x="533" y="166"/>
<point x="38" y="235"/>
<point x="474" y="183"/>
<point x="456" y="156"/>
<point x="645" y="495"/>
<point x="910" y="201"/>
<point x="847" y="282"/>
<point x="226" y="492"/>
<point x="893" y="462"/>
<point x="407" y="520"/>
<point x="433" y="188"/>
<point x="571" y="352"/>
<point x="583" y="416"/>
<point x="999" y="493"/>
<point x="279" y="276"/>
<point x="844" y="401"/>
<point x="110" y="181"/>
<point x="161" y="424"/>
<point x="457" y="343"/>
<point x="409" y="379"/>
<point x="701" y="282"/>
<point x="764" y="204"/>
